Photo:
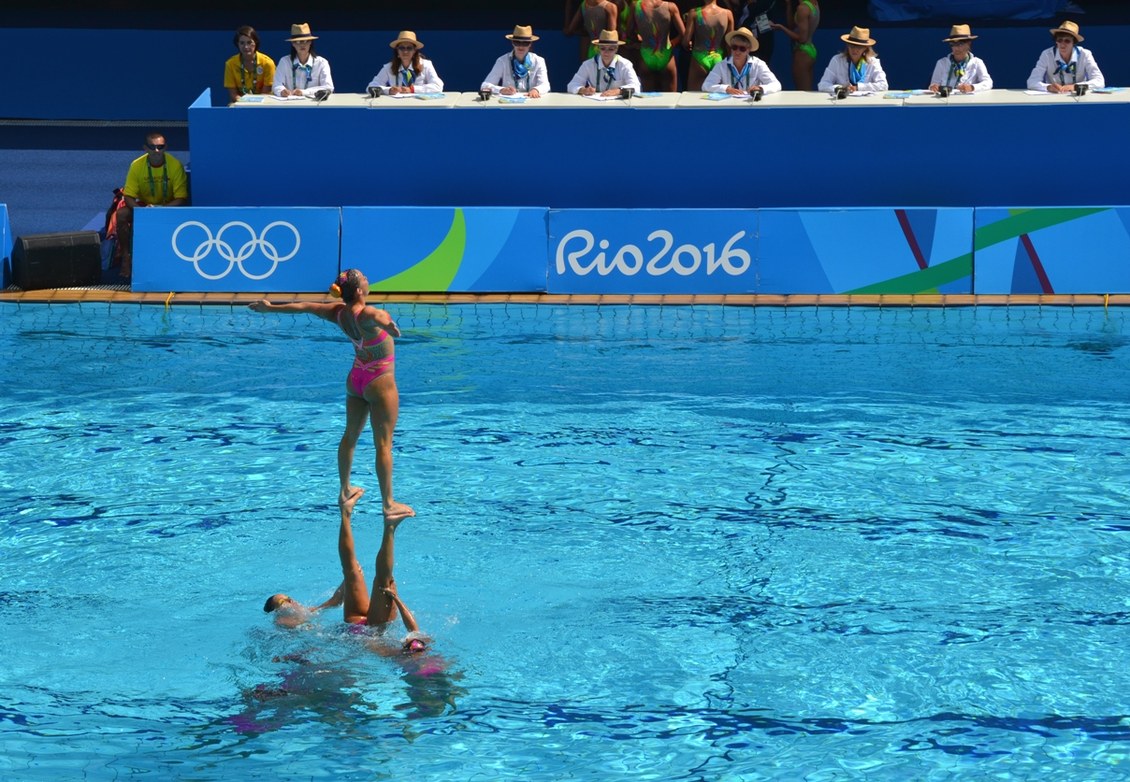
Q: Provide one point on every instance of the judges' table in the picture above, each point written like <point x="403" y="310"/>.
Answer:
<point x="791" y="149"/>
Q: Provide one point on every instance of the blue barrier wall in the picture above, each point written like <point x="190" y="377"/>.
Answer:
<point x="612" y="157"/>
<point x="474" y="250"/>
<point x="200" y="249"/>
<point x="5" y="246"/>
<point x="190" y="60"/>
<point x="767" y="251"/>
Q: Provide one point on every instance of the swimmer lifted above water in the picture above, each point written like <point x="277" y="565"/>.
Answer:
<point x="370" y="388"/>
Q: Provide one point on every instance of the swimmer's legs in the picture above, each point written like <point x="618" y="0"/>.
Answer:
<point x="355" y="592"/>
<point x="382" y="609"/>
<point x="356" y="413"/>
<point x="383" y="400"/>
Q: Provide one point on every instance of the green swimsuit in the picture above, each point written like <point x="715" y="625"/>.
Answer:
<point x="706" y="58"/>
<point x="808" y="48"/>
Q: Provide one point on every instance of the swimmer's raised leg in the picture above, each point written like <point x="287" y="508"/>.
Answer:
<point x="354" y="591"/>
<point x="382" y="610"/>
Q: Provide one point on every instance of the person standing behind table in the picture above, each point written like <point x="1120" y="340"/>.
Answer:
<point x="857" y="67"/>
<point x="1066" y="64"/>
<point x="592" y="16"/>
<point x="805" y="18"/>
<point x="154" y="179"/>
<point x="707" y="27"/>
<point x="741" y="73"/>
<point x="407" y="71"/>
<point x="659" y="29"/>
<point x="250" y="72"/>
<point x="520" y="71"/>
<point x="961" y="71"/>
<point x="605" y="73"/>
<point x="303" y="72"/>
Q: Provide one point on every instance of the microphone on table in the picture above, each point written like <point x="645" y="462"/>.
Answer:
<point x="755" y="96"/>
<point x="839" y="91"/>
<point x="321" y="95"/>
<point x="943" y="91"/>
<point x="376" y="92"/>
<point x="1081" y="90"/>
<point x="484" y="95"/>
<point x="626" y="93"/>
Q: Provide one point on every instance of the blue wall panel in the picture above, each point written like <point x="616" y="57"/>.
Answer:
<point x="203" y="249"/>
<point x="474" y="250"/>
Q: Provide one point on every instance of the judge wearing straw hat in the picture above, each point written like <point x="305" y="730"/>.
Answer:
<point x="741" y="73"/>
<point x="1066" y="64"/>
<point x="856" y="68"/>
<point x="961" y="71"/>
<point x="605" y="73"/>
<point x="303" y="72"/>
<point x="519" y="71"/>
<point x="407" y="71"/>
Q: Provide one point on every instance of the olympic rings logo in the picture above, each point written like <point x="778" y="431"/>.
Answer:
<point x="233" y="256"/>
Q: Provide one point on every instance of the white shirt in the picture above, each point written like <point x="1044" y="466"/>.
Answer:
<point x="976" y="74"/>
<point x="1086" y="70"/>
<point x="726" y="74"/>
<point x="588" y="75"/>
<point x="427" y="80"/>
<point x="874" y="79"/>
<point x="502" y="75"/>
<point x="289" y="77"/>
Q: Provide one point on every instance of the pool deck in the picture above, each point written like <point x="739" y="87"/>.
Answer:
<point x="117" y="296"/>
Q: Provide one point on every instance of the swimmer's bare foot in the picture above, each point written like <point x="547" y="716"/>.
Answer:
<point x="348" y="499"/>
<point x="397" y="511"/>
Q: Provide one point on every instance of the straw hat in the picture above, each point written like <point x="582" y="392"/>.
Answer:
<point x="860" y="36"/>
<point x="522" y="34"/>
<point x="960" y="32"/>
<point x="607" y="37"/>
<point x="301" y="32"/>
<point x="406" y="36"/>
<point x="743" y="32"/>
<point x="1071" y="29"/>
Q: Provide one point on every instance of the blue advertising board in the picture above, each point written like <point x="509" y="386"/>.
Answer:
<point x="5" y="245"/>
<point x="652" y="251"/>
<point x="446" y="249"/>
<point x="203" y="249"/>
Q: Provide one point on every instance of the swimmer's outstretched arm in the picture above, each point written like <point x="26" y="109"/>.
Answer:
<point x="324" y="310"/>
<point x="405" y="615"/>
<point x="335" y="600"/>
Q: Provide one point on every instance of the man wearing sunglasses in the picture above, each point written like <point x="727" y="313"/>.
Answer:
<point x="741" y="73"/>
<point x="154" y="179"/>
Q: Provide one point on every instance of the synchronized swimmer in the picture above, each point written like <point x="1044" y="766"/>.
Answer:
<point x="370" y="388"/>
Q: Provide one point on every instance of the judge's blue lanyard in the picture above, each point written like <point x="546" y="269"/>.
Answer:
<point x="857" y="71"/>
<point x="164" y="182"/>
<point x="740" y="81"/>
<point x="608" y="71"/>
<point x="957" y="70"/>
<point x="521" y="71"/>
<point x="307" y="69"/>
<point x="1063" y="70"/>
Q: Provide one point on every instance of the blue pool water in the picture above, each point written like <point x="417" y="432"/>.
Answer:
<point x="653" y="543"/>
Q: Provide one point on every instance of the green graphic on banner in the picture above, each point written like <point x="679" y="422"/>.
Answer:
<point x="436" y="271"/>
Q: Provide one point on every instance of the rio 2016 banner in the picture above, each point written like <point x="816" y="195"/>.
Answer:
<point x="645" y="251"/>
<point x="446" y="249"/>
<point x="768" y="251"/>
<point x="203" y="249"/>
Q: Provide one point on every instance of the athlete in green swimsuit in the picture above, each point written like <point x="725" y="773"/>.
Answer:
<point x="808" y="47"/>
<point x="712" y="55"/>
<point x="801" y="33"/>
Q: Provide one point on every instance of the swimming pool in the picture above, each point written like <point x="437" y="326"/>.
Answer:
<point x="682" y="543"/>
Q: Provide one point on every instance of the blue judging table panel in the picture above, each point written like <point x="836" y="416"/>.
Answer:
<point x="792" y="149"/>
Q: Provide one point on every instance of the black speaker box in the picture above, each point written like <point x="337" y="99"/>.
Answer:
<point x="66" y="260"/>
